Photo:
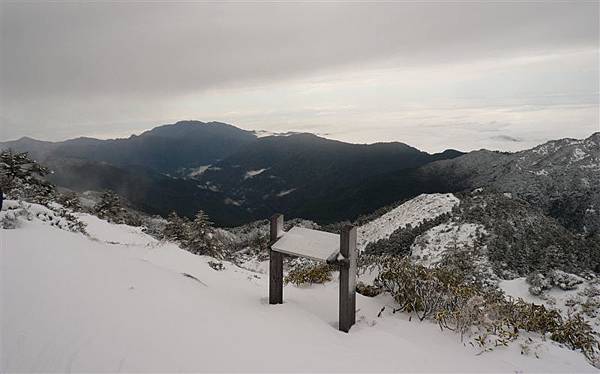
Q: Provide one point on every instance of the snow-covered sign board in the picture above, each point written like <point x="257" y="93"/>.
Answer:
<point x="313" y="244"/>
<point x="337" y="250"/>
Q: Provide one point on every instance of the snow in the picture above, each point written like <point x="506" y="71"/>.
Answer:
<point x="592" y="166"/>
<point x="555" y="298"/>
<point x="265" y="133"/>
<point x="198" y="171"/>
<point x="578" y="155"/>
<point x="314" y="244"/>
<point x="430" y="246"/>
<point x="111" y="233"/>
<point x="120" y="302"/>
<point x="230" y="201"/>
<point x="286" y="192"/>
<point x="519" y="288"/>
<point x="414" y="211"/>
<point x="543" y="149"/>
<point x="253" y="173"/>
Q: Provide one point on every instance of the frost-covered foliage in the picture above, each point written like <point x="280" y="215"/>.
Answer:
<point x="113" y="210"/>
<point x="400" y="241"/>
<point x="303" y="272"/>
<point x="522" y="239"/>
<point x="413" y="212"/>
<point x="201" y="237"/>
<point x="554" y="278"/>
<point x="448" y="296"/>
<point x="23" y="178"/>
<point x="216" y="265"/>
<point x="14" y="213"/>
<point x="197" y="236"/>
<point x="70" y="200"/>
<point x="176" y="228"/>
<point x="516" y="238"/>
<point x="430" y="247"/>
<point x="368" y="290"/>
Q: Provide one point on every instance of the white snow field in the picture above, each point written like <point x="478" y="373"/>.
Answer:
<point x="119" y="302"/>
<point x="414" y="211"/>
<point x="429" y="247"/>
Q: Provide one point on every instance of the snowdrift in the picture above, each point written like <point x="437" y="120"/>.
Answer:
<point x="119" y="300"/>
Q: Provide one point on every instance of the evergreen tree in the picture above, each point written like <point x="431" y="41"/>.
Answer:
<point x="109" y="207"/>
<point x="70" y="200"/>
<point x="201" y="238"/>
<point x="176" y="228"/>
<point x="22" y="177"/>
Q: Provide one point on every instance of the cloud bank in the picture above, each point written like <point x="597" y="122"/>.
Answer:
<point x="362" y="72"/>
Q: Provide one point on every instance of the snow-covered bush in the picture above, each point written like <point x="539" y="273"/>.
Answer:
<point x="306" y="272"/>
<point x="538" y="283"/>
<point x="200" y="237"/>
<point x="197" y="236"/>
<point x="112" y="209"/>
<point x="564" y="281"/>
<point x="176" y="228"/>
<point x="23" y="178"/>
<point x="420" y="290"/>
<point x="523" y="240"/>
<point x="62" y="219"/>
<point x="215" y="265"/>
<point x="16" y="211"/>
<point x="555" y="278"/>
<point x="576" y="333"/>
<point x="69" y="200"/>
<point x="367" y="289"/>
<point x="444" y="294"/>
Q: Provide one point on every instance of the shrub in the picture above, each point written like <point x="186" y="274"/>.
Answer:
<point x="576" y="333"/>
<point x="414" y="287"/>
<point x="200" y="238"/>
<point x="69" y="200"/>
<point x="307" y="273"/>
<point x="21" y="177"/>
<point x="197" y="236"/>
<point x="555" y="278"/>
<point x="445" y="296"/>
<point x="367" y="289"/>
<point x="176" y="227"/>
<point x="111" y="208"/>
<point x="218" y="266"/>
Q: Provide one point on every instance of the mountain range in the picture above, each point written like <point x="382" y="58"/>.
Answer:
<point x="237" y="177"/>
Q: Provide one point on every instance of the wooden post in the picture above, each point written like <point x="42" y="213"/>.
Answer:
<point x="275" y="262"/>
<point x="347" y="315"/>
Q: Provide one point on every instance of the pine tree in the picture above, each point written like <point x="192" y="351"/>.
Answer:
<point x="109" y="207"/>
<point x="201" y="238"/>
<point x="70" y="200"/>
<point x="22" y="177"/>
<point x="176" y="228"/>
<point x="18" y="165"/>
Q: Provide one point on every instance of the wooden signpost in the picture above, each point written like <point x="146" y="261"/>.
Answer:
<point x="338" y="250"/>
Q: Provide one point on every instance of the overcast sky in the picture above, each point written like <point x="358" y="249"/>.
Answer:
<point x="469" y="75"/>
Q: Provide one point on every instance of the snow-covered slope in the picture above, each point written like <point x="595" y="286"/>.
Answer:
<point x="429" y="248"/>
<point x="562" y="177"/>
<point x="413" y="212"/>
<point x="121" y="302"/>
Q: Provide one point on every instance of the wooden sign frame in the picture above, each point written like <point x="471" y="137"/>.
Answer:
<point x="344" y="258"/>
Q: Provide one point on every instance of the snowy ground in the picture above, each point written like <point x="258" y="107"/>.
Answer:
<point x="414" y="211"/>
<point x="430" y="247"/>
<point x="556" y="298"/>
<point x="119" y="301"/>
